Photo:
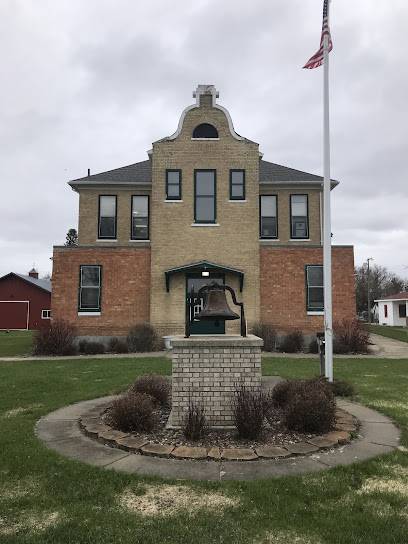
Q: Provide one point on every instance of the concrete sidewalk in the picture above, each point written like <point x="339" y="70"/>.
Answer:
<point x="60" y="432"/>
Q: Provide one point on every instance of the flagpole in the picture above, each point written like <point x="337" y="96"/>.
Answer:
<point x="327" y="268"/>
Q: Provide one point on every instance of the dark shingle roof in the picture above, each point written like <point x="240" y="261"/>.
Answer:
<point x="268" y="171"/>
<point x="141" y="172"/>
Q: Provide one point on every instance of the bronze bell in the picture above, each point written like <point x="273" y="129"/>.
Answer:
<point x="216" y="307"/>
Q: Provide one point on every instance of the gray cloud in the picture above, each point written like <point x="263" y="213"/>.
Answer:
<point x="93" y="84"/>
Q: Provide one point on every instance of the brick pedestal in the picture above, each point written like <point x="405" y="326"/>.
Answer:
<point x="206" y="369"/>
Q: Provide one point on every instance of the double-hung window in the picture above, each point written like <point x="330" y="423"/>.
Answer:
<point x="173" y="184"/>
<point x="90" y="287"/>
<point x="314" y="288"/>
<point x="204" y="196"/>
<point x="268" y="216"/>
<point x="237" y="184"/>
<point x="299" y="217"/>
<point x="140" y="217"/>
<point x="107" y="217"/>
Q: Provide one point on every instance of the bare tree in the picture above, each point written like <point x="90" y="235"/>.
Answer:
<point x="383" y="283"/>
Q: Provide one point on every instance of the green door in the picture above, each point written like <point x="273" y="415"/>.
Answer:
<point x="198" y="281"/>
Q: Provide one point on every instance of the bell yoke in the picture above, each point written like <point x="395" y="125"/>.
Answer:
<point x="216" y="307"/>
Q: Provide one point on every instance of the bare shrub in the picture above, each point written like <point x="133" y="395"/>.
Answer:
<point x="194" y="424"/>
<point x="93" y="348"/>
<point x="159" y="387"/>
<point x="280" y="393"/>
<point x="56" y="338"/>
<point x="142" y="338"/>
<point x="292" y="342"/>
<point x="313" y="346"/>
<point x="342" y="388"/>
<point x="117" y="345"/>
<point x="353" y="335"/>
<point x="310" y="406"/>
<point x="136" y="412"/>
<point x="268" y="334"/>
<point x="339" y="348"/>
<point x="250" y="409"/>
<point x="81" y="346"/>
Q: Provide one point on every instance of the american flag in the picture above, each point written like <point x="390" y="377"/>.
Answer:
<point x="317" y="59"/>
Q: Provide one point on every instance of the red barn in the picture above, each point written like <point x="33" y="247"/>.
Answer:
<point x="25" y="301"/>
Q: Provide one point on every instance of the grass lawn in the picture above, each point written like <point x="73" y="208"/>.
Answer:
<point x="47" y="498"/>
<point x="398" y="333"/>
<point x="15" y="343"/>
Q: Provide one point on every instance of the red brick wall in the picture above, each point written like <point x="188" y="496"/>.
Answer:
<point x="13" y="288"/>
<point x="125" y="296"/>
<point x="283" y="287"/>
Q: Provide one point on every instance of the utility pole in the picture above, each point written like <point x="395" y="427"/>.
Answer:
<point x="368" y="290"/>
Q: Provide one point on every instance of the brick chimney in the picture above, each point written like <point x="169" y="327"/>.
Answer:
<point x="33" y="274"/>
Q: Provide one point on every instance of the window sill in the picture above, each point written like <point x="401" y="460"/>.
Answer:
<point x="205" y="225"/>
<point x="316" y="313"/>
<point x="139" y="241"/>
<point x="269" y="240"/>
<point x="88" y="313"/>
<point x="238" y="201"/>
<point x="206" y="139"/>
<point x="106" y="240"/>
<point x="170" y="200"/>
<point x="299" y="239"/>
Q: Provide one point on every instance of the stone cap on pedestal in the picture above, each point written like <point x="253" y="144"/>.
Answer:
<point x="217" y="340"/>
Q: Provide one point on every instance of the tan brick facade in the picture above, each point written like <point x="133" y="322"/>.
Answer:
<point x="283" y="287"/>
<point x="175" y="239"/>
<point x="134" y="282"/>
<point x="125" y="293"/>
<point x="88" y="216"/>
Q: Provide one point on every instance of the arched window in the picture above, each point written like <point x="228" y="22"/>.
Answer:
<point x="205" y="130"/>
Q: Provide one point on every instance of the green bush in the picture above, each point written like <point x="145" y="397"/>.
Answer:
<point x="142" y="338"/>
<point x="310" y="406"/>
<point x="56" y="338"/>
<point x="135" y="412"/>
<point x="292" y="342"/>
<point x="158" y="387"/>
<point x="250" y="410"/>
<point x="268" y="334"/>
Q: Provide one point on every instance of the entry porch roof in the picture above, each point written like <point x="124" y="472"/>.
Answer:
<point x="206" y="265"/>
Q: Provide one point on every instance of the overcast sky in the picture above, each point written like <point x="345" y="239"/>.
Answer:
<point x="91" y="84"/>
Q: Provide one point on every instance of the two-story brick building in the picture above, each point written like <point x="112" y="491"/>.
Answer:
<point x="204" y="206"/>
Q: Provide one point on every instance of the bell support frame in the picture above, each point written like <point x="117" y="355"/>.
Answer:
<point x="194" y="298"/>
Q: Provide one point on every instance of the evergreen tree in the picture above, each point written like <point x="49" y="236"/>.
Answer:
<point x="72" y="238"/>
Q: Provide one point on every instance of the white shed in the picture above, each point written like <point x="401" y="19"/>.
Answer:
<point x="392" y="310"/>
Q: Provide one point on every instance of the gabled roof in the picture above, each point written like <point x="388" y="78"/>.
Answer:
<point x="399" y="296"/>
<point x="46" y="285"/>
<point x="203" y="265"/>
<point x="141" y="172"/>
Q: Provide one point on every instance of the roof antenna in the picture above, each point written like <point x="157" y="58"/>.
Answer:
<point x="89" y="172"/>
